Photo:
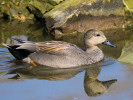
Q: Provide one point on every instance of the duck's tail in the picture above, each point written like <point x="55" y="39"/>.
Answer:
<point x="17" y="53"/>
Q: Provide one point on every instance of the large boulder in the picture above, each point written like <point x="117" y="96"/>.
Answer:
<point x="58" y="17"/>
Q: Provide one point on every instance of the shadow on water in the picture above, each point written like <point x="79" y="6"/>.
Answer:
<point x="50" y="83"/>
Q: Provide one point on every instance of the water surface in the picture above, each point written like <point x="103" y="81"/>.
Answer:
<point x="109" y="79"/>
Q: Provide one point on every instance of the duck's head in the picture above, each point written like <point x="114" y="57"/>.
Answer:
<point x="94" y="37"/>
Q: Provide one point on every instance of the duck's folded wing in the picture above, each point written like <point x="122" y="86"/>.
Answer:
<point x="53" y="47"/>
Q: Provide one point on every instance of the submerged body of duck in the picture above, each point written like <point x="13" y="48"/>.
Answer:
<point x="61" y="54"/>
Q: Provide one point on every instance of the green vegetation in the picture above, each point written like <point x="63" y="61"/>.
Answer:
<point x="25" y="9"/>
<point x="128" y="4"/>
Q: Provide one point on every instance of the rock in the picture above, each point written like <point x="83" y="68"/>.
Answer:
<point x="10" y="8"/>
<point x="83" y="22"/>
<point x="38" y="8"/>
<point x="58" y="31"/>
<point x="127" y="54"/>
<point x="58" y="16"/>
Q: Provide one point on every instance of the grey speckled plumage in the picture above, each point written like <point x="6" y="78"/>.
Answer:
<point x="61" y="54"/>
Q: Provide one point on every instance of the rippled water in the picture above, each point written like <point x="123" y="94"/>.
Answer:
<point x="109" y="79"/>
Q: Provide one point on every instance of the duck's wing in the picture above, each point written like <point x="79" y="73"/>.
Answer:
<point x="56" y="47"/>
<point x="24" y="48"/>
<point x="51" y="47"/>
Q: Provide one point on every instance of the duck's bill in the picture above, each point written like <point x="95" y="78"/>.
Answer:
<point x="109" y="43"/>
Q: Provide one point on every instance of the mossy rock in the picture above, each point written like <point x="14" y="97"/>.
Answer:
<point x="60" y="14"/>
<point x="14" y="9"/>
<point x="42" y="6"/>
<point x="127" y="54"/>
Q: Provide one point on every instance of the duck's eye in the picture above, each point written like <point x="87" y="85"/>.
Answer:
<point x="98" y="34"/>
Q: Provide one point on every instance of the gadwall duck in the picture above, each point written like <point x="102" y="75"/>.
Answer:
<point x="61" y="54"/>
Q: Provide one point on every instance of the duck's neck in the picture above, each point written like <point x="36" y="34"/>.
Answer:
<point x="91" y="48"/>
<point x="95" y="53"/>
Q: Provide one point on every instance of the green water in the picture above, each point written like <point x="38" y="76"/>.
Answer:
<point x="20" y="81"/>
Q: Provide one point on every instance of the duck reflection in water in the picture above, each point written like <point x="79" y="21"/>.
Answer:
<point x="92" y="86"/>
